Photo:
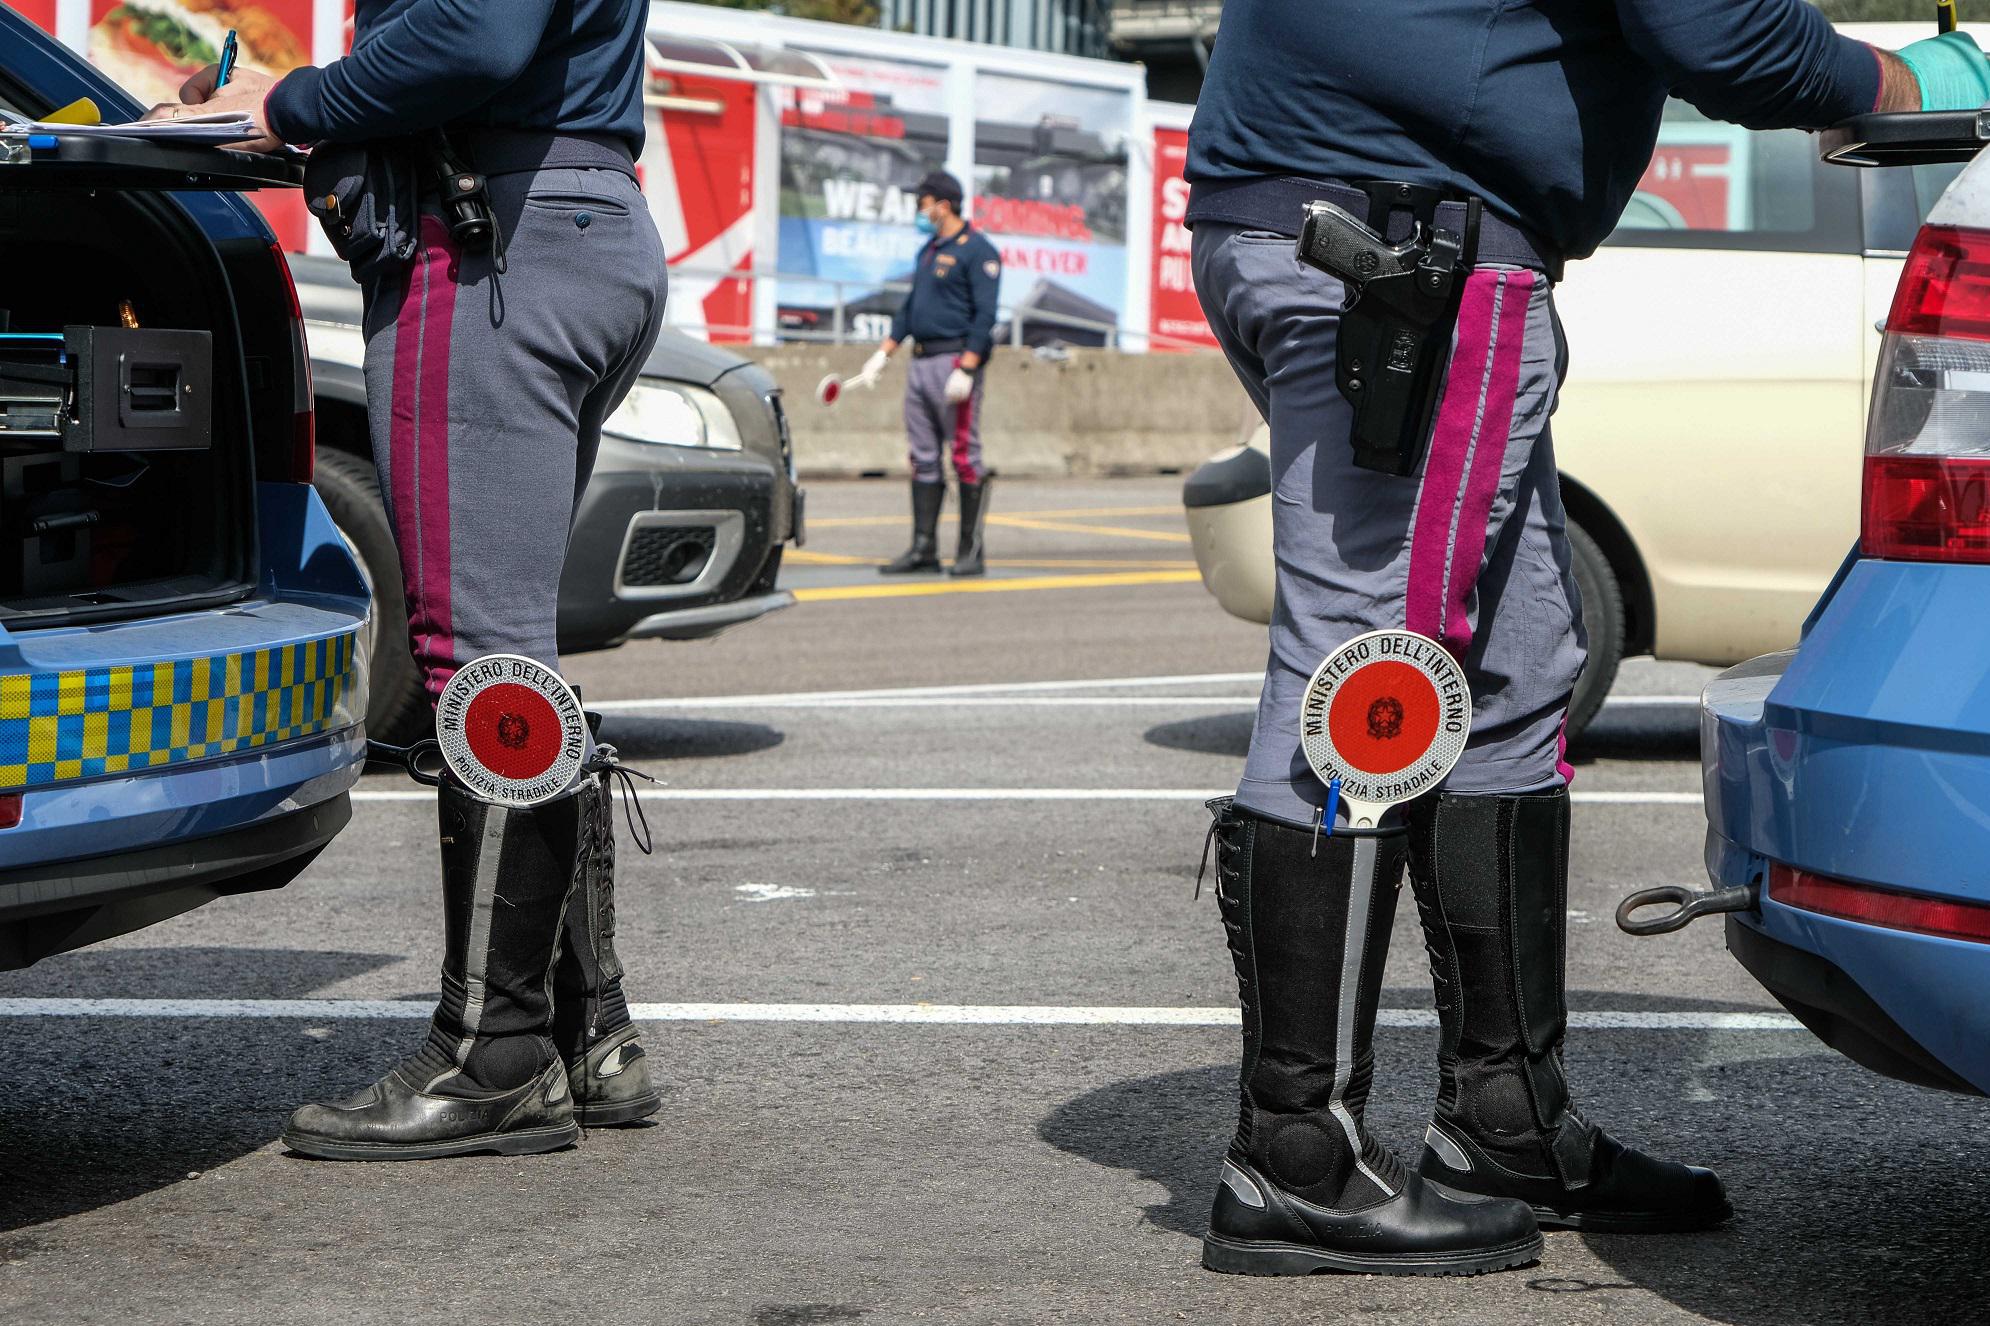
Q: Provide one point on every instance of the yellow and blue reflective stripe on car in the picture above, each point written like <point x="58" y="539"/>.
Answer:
<point x="88" y="722"/>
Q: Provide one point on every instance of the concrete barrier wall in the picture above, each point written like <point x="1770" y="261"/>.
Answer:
<point x="1095" y="412"/>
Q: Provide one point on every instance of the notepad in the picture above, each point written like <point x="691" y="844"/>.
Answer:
<point x="210" y="127"/>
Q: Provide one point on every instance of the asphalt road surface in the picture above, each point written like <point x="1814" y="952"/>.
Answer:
<point x="944" y="1034"/>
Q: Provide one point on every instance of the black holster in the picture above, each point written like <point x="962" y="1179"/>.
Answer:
<point x="1402" y="307"/>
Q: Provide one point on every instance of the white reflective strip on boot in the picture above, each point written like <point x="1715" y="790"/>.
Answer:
<point x="1354" y="951"/>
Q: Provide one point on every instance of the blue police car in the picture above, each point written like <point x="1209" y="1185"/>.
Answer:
<point x="181" y="672"/>
<point x="1848" y="780"/>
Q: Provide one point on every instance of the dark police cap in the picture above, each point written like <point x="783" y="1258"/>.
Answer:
<point x="938" y="184"/>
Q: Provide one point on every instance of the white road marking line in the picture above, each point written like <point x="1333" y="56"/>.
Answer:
<point x="989" y="794"/>
<point x="990" y="694"/>
<point x="907" y="692"/>
<point x="1026" y="1015"/>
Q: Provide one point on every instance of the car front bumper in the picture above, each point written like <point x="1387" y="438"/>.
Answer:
<point x="1862" y="757"/>
<point x="668" y="532"/>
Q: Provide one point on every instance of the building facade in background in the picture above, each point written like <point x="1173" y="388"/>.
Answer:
<point x="1066" y="27"/>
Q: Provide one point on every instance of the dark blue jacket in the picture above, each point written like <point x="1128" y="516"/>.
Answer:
<point x="953" y="293"/>
<point x="570" y="65"/>
<point x="1547" y="109"/>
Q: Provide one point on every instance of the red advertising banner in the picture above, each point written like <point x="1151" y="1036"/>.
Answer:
<point x="41" y="13"/>
<point x="1176" y="317"/>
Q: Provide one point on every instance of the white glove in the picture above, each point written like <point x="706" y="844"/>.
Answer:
<point x="872" y="370"/>
<point x="960" y="386"/>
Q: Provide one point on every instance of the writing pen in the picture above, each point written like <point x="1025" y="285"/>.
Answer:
<point x="227" y="68"/>
<point x="1944" y="16"/>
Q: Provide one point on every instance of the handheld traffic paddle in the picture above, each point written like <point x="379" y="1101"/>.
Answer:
<point x="830" y="390"/>
<point x="1383" y="721"/>
<point x="511" y="730"/>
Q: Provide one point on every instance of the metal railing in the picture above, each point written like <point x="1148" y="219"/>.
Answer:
<point x="1014" y="326"/>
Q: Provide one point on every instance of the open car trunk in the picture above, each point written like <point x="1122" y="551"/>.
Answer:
<point x="127" y="462"/>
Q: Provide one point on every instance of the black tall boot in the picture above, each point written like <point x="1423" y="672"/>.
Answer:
<point x="605" y="1064"/>
<point x="1491" y="881"/>
<point x="1304" y="1187"/>
<point x="973" y="520"/>
<point x="489" y="1078"/>
<point x="924" y="554"/>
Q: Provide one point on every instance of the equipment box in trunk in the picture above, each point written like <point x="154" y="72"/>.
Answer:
<point x="108" y="389"/>
<point x="132" y="394"/>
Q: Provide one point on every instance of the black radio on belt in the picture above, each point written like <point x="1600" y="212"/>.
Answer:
<point x="466" y="202"/>
<point x="1402" y="304"/>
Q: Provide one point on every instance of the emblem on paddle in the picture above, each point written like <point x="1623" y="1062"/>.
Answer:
<point x="1383" y="721"/>
<point x="511" y="730"/>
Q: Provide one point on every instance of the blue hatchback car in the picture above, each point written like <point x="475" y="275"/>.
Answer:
<point x="1848" y="780"/>
<point x="181" y="626"/>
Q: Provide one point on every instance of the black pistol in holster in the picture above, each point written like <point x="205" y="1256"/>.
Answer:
<point x="1402" y="304"/>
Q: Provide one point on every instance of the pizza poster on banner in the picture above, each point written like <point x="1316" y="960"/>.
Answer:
<point x="1175" y="316"/>
<point x="151" y="47"/>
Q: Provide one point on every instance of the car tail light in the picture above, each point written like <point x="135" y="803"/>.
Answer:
<point x="304" y="423"/>
<point x="1888" y="908"/>
<point x="10" y="810"/>
<point x="1927" y="469"/>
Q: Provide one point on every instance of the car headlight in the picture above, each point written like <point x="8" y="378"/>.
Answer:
<point x="674" y="415"/>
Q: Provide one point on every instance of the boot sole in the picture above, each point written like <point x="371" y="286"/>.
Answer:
<point x="1253" y="1257"/>
<point x="626" y="1111"/>
<point x="922" y="570"/>
<point x="524" y="1142"/>
<point x="1631" y="1222"/>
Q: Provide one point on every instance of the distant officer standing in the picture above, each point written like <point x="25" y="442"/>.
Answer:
<point x="949" y="316"/>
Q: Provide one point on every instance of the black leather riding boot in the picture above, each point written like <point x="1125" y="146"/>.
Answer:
<point x="489" y="1077"/>
<point x="1304" y="1187"/>
<point x="924" y="554"/>
<point x="968" y="560"/>
<point x="605" y="1064"/>
<point x="1491" y="880"/>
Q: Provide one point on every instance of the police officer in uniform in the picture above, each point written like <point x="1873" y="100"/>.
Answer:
<point x="949" y="317"/>
<point x="1547" y="115"/>
<point x="488" y="377"/>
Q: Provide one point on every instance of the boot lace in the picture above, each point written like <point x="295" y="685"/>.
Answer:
<point x="606" y="760"/>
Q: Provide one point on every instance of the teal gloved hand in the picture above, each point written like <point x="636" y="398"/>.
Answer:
<point x="1952" y="69"/>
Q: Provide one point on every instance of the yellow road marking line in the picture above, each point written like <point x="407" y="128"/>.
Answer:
<point x="852" y="522"/>
<point x="809" y="557"/>
<point x="924" y="588"/>
<point x="1110" y="531"/>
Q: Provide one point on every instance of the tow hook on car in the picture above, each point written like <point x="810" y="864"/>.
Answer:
<point x="1687" y="906"/>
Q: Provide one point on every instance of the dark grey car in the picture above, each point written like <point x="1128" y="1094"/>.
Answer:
<point x="679" y="533"/>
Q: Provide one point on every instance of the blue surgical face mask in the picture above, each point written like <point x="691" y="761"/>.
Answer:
<point x="926" y="224"/>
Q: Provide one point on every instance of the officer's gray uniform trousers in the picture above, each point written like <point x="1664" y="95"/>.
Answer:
<point x="486" y="393"/>
<point x="934" y="428"/>
<point x="1471" y="550"/>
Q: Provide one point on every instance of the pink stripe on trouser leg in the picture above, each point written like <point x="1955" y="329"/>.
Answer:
<point x="419" y="449"/>
<point x="1444" y="464"/>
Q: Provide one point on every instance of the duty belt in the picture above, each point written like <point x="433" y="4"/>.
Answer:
<point x="945" y="345"/>
<point x="1279" y="206"/>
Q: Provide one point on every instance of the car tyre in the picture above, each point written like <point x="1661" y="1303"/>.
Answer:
<point x="1603" y="622"/>
<point x="397" y="706"/>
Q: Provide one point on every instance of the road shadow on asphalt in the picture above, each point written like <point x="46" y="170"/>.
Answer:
<point x="1853" y="1202"/>
<point x="96" y="1111"/>
<point x="1640" y="732"/>
<point x="166" y="972"/>
<point x="639" y="737"/>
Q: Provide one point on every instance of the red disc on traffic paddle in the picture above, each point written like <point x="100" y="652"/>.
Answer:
<point x="1384" y="717"/>
<point x="513" y="731"/>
